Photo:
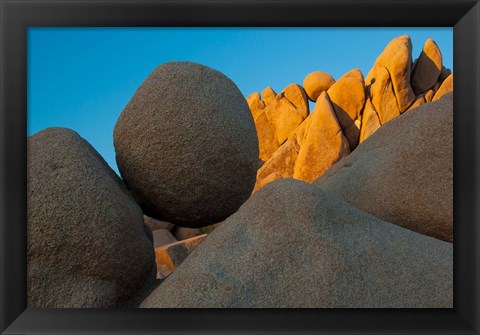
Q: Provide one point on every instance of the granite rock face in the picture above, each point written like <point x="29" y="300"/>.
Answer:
<point x="403" y="173"/>
<point x="186" y="145"/>
<point x="294" y="245"/>
<point x="87" y="244"/>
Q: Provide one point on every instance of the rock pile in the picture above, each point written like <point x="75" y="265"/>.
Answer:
<point x="366" y="221"/>
<point x="361" y="106"/>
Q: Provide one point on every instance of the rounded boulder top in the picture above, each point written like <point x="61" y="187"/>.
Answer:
<point x="186" y="145"/>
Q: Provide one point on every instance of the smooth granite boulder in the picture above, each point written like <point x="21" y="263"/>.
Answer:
<point x="293" y="245"/>
<point x="403" y="173"/>
<point x="186" y="145"/>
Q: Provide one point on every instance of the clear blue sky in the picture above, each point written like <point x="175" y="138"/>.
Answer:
<point x="82" y="78"/>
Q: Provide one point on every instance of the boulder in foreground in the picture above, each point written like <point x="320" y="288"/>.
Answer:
<point x="403" y="173"/>
<point x="293" y="245"/>
<point x="87" y="245"/>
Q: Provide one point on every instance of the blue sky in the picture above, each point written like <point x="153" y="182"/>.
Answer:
<point x="82" y="78"/>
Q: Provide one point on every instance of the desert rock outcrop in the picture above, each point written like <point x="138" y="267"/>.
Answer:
<point x="169" y="140"/>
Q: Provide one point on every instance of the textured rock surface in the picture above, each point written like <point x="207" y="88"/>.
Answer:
<point x="427" y="68"/>
<point x="154" y="224"/>
<point x="324" y="143"/>
<point x="169" y="257"/>
<point x="280" y="165"/>
<point x="183" y="233"/>
<point x="316" y="83"/>
<point x="446" y="87"/>
<point x="287" y="111"/>
<point x="186" y="145"/>
<point x="268" y="95"/>
<point x="397" y="59"/>
<point x="162" y="237"/>
<point x="403" y="173"/>
<point x="293" y="245"/>
<point x="86" y="241"/>
<point x="383" y="96"/>
<point x="267" y="140"/>
<point x="370" y="121"/>
<point x="348" y="98"/>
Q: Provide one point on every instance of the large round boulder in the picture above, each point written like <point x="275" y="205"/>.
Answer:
<point x="293" y="245"/>
<point x="87" y="245"/>
<point x="403" y="173"/>
<point x="186" y="145"/>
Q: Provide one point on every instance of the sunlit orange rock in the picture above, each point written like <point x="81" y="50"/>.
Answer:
<point x="170" y="256"/>
<point x="370" y="121"/>
<point x="267" y="141"/>
<point x="324" y="142"/>
<point x="268" y="95"/>
<point x="347" y="96"/>
<point x="420" y="100"/>
<point x="383" y="95"/>
<point x="316" y="83"/>
<point x="282" y="163"/>
<point x="397" y="59"/>
<point x="287" y="111"/>
<point x="428" y="96"/>
<point x="255" y="104"/>
<point x="447" y="86"/>
<point x="427" y="68"/>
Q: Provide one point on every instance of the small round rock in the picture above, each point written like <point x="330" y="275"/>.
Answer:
<point x="186" y="145"/>
<point x="317" y="82"/>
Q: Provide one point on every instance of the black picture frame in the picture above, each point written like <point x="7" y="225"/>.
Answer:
<point x="17" y="16"/>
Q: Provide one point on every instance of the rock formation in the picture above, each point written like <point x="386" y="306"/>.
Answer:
<point x="293" y="245"/>
<point x="427" y="68"/>
<point x="86" y="243"/>
<point x="324" y="142"/>
<point x="393" y="86"/>
<point x="403" y="173"/>
<point x="169" y="140"/>
<point x="317" y="82"/>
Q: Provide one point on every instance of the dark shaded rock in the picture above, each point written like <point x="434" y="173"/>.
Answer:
<point x="154" y="224"/>
<point x="403" y="173"/>
<point x="186" y="145"/>
<point x="293" y="245"/>
<point x="87" y="246"/>
<point x="162" y="237"/>
<point x="182" y="233"/>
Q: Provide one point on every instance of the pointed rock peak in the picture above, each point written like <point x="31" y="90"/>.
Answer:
<point x="427" y="68"/>
<point x="268" y="95"/>
<point x="355" y="73"/>
<point x="324" y="142"/>
<point x="397" y="59"/>
<point x="253" y="98"/>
